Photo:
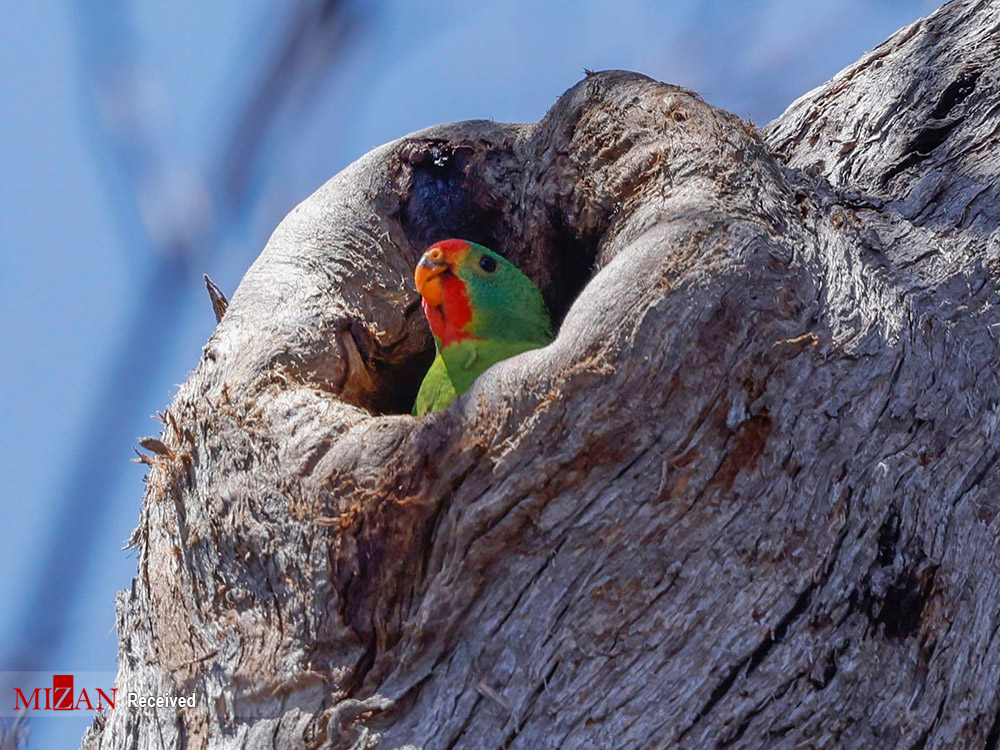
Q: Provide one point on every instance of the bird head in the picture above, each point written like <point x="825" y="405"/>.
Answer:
<point x="471" y="292"/>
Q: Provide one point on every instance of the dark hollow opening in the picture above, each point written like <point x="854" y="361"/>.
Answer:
<point x="448" y="190"/>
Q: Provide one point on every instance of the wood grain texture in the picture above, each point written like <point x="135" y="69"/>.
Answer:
<point x="747" y="498"/>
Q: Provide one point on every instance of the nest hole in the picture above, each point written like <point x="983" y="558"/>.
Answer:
<point x="449" y="190"/>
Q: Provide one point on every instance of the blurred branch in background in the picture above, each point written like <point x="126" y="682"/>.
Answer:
<point x="14" y="733"/>
<point x="180" y="219"/>
<point x="315" y="32"/>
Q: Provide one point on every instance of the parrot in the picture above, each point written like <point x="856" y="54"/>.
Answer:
<point x="481" y="309"/>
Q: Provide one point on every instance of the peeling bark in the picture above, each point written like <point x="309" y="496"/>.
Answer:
<point x="747" y="498"/>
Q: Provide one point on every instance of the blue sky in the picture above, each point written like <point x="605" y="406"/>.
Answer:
<point x="88" y="222"/>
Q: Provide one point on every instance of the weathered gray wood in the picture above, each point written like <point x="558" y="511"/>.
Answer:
<point x="747" y="498"/>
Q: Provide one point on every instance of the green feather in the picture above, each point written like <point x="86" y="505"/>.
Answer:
<point x="508" y="317"/>
<point x="436" y="390"/>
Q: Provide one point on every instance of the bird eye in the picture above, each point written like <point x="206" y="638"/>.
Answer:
<point x="488" y="264"/>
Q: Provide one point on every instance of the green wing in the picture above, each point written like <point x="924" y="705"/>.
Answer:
<point x="436" y="390"/>
<point x="456" y="368"/>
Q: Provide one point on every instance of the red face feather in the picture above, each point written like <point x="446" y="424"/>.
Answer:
<point x="454" y="313"/>
<point x="445" y="297"/>
<point x="454" y="250"/>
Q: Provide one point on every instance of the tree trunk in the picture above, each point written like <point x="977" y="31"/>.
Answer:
<point x="747" y="498"/>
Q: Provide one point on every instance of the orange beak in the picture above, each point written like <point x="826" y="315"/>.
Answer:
<point x="427" y="276"/>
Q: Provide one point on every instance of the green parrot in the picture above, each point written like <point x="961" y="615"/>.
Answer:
<point x="481" y="310"/>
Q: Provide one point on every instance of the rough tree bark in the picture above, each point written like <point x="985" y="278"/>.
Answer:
<point x="747" y="498"/>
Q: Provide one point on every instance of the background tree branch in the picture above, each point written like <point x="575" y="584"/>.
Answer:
<point x="748" y="496"/>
